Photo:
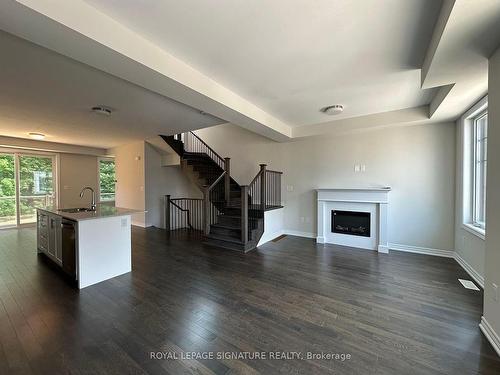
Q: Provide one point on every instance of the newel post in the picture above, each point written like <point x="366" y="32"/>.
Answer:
<point x="206" y="210"/>
<point x="227" y="179"/>
<point x="244" y="213"/>
<point x="166" y="200"/>
<point x="263" y="187"/>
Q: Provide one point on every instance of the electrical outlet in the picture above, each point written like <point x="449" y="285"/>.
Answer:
<point x="495" y="291"/>
<point x="363" y="168"/>
<point x="289" y="187"/>
<point x="357" y="168"/>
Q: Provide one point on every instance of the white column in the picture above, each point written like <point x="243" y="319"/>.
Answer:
<point x="321" y="222"/>
<point x="383" y="245"/>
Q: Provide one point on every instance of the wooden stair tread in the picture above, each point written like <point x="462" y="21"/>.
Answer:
<point x="226" y="226"/>
<point x="225" y="238"/>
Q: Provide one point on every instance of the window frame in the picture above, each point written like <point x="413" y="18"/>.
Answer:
<point x="466" y="179"/>
<point x="99" y="159"/>
<point x="477" y="154"/>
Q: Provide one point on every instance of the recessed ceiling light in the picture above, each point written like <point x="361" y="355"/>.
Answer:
<point x="333" y="109"/>
<point x="102" y="110"/>
<point x="37" y="136"/>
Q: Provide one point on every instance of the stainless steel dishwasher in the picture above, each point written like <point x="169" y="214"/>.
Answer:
<point x="68" y="242"/>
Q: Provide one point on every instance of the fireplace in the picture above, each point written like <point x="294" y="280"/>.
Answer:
<point x="370" y="203"/>
<point x="351" y="222"/>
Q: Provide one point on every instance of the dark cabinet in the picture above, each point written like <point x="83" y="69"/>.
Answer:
<point x="56" y="238"/>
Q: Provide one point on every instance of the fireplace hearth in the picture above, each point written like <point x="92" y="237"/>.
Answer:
<point x="351" y="222"/>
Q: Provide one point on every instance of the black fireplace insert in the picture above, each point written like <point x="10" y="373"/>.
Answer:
<point x="351" y="222"/>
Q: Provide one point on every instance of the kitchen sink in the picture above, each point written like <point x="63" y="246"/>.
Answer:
<point x="76" y="210"/>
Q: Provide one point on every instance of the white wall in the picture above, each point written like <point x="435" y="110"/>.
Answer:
<point x="273" y="225"/>
<point x="418" y="162"/>
<point x="75" y="172"/>
<point x="160" y="181"/>
<point x="130" y="179"/>
<point x="246" y="150"/>
<point x="491" y="313"/>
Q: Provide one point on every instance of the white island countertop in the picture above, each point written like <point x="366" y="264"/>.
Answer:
<point x="102" y="211"/>
<point x="368" y="188"/>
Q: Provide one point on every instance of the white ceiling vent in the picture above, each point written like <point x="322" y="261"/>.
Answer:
<point x="333" y="109"/>
<point x="102" y="110"/>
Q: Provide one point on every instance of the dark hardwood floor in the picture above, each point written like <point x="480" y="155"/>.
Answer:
<point x="393" y="314"/>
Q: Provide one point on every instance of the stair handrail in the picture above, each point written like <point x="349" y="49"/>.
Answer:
<point x="206" y="205"/>
<point x="183" y="210"/>
<point x="210" y="187"/>
<point x="212" y="154"/>
<point x="172" y="202"/>
<point x="255" y="178"/>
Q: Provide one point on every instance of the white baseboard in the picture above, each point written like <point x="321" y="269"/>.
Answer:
<point x="490" y="334"/>
<point x="299" y="234"/>
<point x="138" y="224"/>
<point x="422" y="250"/>
<point x="476" y="276"/>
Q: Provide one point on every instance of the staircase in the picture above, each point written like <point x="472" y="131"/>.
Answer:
<point x="233" y="214"/>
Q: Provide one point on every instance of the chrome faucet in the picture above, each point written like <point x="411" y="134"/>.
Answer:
<point x="92" y="206"/>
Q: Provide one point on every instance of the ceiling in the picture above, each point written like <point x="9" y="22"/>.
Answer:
<point x="292" y="58"/>
<point x="267" y="66"/>
<point x="459" y="60"/>
<point x="42" y="91"/>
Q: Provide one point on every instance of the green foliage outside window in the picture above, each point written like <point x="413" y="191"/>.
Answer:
<point x="35" y="184"/>
<point x="107" y="180"/>
<point x="7" y="186"/>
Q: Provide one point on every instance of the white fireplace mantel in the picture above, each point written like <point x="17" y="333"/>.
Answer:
<point x="370" y="199"/>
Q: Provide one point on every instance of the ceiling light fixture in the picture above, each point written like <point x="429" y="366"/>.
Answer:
<point x="37" y="136"/>
<point x="102" y="110"/>
<point x="333" y="109"/>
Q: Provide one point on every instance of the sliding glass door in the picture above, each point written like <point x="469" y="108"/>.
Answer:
<point x="36" y="186"/>
<point x="8" y="207"/>
<point x="26" y="182"/>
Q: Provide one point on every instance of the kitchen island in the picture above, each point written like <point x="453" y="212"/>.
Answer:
<point x="89" y="245"/>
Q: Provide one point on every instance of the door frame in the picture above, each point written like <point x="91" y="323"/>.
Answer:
<point x="17" y="152"/>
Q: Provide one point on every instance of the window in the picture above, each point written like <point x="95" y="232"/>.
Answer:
<point x="480" y="128"/>
<point x="473" y="132"/>
<point x="107" y="180"/>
